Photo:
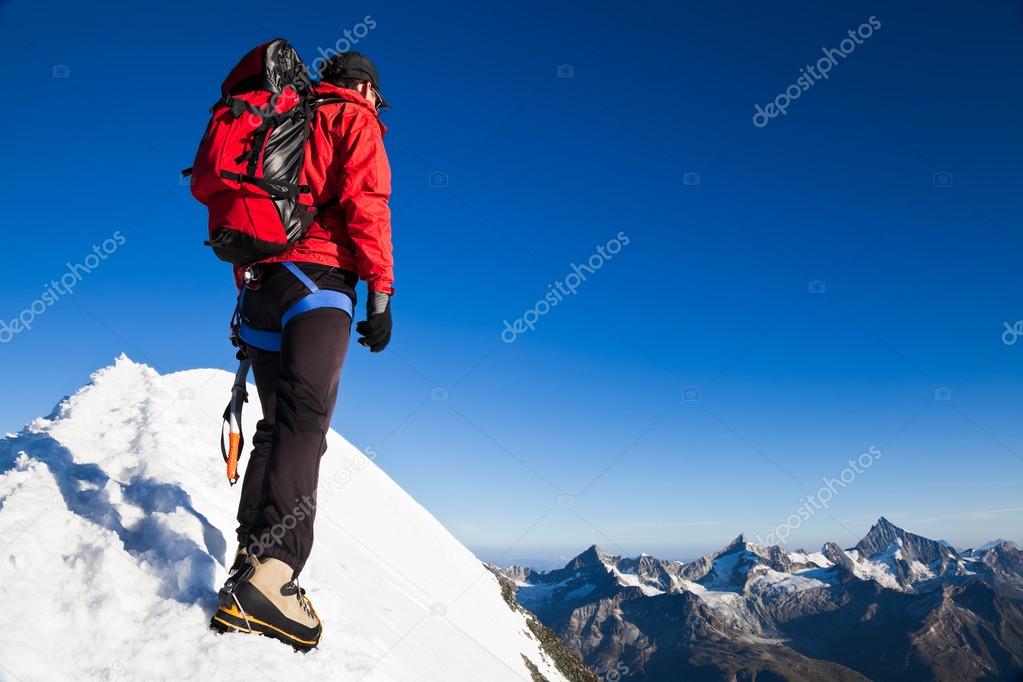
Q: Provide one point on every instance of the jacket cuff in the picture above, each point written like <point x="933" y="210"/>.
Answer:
<point x="382" y="287"/>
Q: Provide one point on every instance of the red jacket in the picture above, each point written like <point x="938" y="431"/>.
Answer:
<point x="346" y="167"/>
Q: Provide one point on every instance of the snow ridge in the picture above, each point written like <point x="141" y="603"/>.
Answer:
<point x="117" y="503"/>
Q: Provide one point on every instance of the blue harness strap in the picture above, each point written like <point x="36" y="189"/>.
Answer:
<point x="309" y="284"/>
<point x="316" y="298"/>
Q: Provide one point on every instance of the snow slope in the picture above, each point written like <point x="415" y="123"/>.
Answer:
<point x="116" y="520"/>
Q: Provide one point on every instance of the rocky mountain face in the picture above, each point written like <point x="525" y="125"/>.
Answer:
<point x="895" y="606"/>
<point x="1004" y="564"/>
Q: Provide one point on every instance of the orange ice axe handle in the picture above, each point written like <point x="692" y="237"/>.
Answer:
<point x="233" y="421"/>
<point x="233" y="448"/>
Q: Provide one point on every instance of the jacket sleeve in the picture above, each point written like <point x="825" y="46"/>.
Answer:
<point x="365" y="188"/>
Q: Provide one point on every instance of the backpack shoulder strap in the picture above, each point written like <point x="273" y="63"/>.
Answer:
<point x="320" y="100"/>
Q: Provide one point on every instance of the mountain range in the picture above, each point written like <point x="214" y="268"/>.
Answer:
<point x="896" y="606"/>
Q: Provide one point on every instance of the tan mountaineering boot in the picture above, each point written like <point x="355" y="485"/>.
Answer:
<point x="264" y="598"/>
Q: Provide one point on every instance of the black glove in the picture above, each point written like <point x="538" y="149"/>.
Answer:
<point x="375" y="330"/>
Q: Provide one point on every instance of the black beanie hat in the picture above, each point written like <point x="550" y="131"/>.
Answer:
<point x="358" y="66"/>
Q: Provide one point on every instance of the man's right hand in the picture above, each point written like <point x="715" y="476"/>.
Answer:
<point x="375" y="330"/>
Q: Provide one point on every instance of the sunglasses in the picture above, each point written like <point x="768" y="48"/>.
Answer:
<point x="379" y="104"/>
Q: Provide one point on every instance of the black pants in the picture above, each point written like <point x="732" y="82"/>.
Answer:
<point x="298" y="390"/>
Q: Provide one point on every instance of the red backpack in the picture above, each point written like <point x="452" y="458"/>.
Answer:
<point x="247" y="168"/>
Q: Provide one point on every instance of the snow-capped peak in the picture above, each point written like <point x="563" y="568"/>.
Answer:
<point x="994" y="543"/>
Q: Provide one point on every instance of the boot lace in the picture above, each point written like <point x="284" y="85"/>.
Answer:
<point x="302" y="599"/>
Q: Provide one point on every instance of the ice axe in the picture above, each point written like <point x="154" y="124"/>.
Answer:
<point x="231" y="445"/>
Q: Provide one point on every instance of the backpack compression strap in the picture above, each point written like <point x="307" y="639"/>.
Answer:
<point x="277" y="190"/>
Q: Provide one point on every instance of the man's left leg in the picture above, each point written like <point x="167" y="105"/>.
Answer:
<point x="313" y="349"/>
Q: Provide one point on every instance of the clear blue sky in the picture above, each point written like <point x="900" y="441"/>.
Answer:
<point x="712" y="290"/>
